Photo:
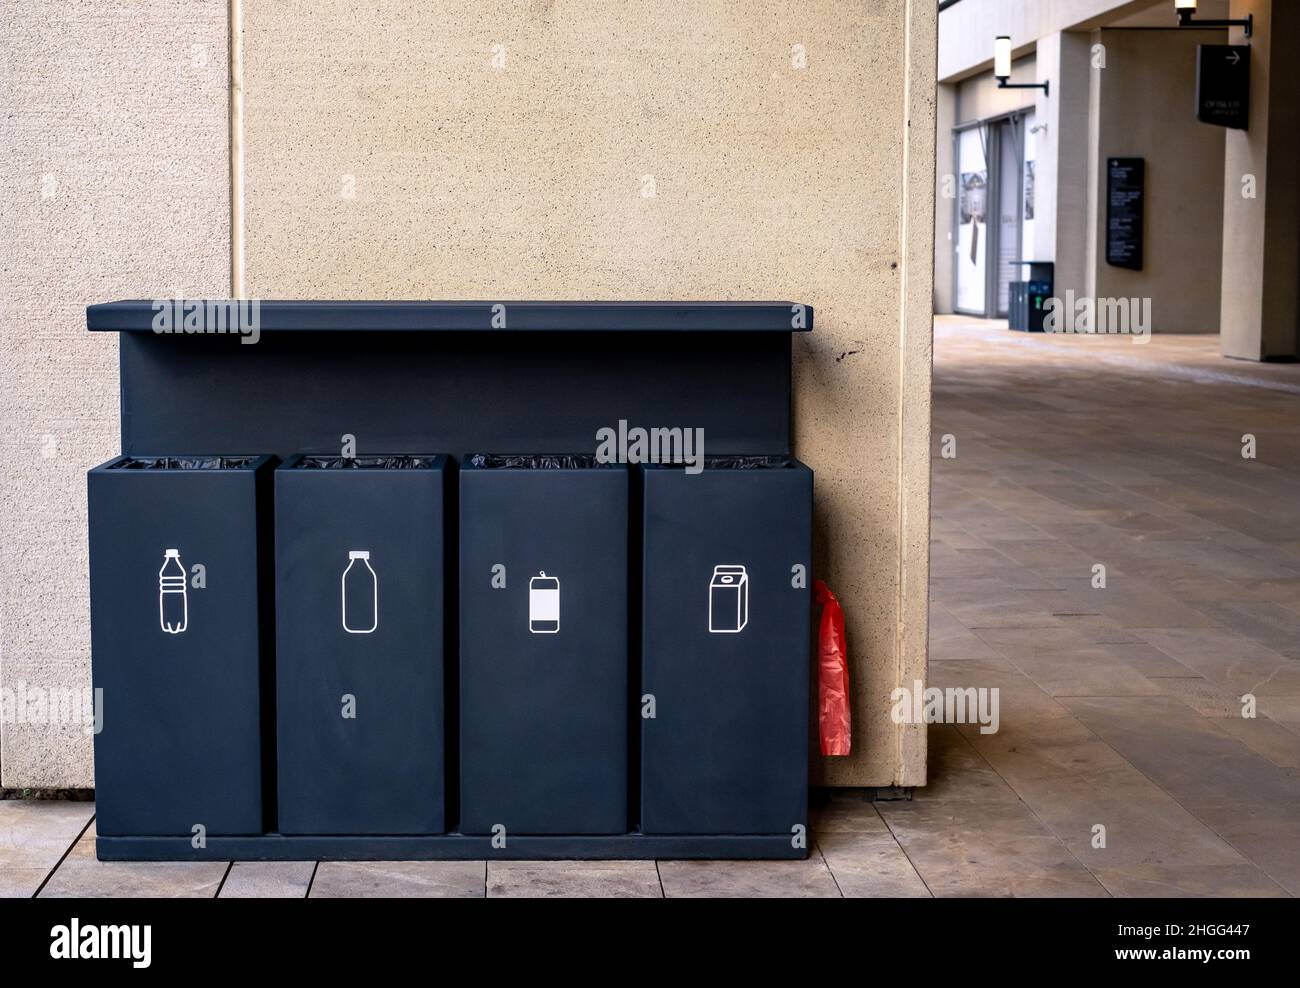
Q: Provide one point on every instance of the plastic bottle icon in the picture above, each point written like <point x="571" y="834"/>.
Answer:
<point x="173" y="598"/>
<point x="360" y="594"/>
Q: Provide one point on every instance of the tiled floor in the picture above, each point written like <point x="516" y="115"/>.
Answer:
<point x="1120" y="705"/>
<point x="1120" y="712"/>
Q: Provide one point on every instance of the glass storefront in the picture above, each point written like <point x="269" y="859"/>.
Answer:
<point x="995" y="170"/>
<point x="972" y="225"/>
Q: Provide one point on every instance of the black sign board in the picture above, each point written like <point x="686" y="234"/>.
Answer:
<point x="1125" y="194"/>
<point x="1223" y="85"/>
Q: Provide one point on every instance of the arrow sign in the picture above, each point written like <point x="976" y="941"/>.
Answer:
<point x="1223" y="85"/>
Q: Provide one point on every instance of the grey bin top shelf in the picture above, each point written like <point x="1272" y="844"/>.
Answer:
<point x="137" y="316"/>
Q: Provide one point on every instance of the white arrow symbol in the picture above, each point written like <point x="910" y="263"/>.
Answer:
<point x="1234" y="57"/>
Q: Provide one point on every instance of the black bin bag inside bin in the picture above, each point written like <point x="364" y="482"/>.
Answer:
<point x="544" y="705"/>
<point x="180" y="636"/>
<point x="359" y="644"/>
<point x="725" y="646"/>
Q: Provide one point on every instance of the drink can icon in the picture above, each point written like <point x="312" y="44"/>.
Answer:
<point x="728" y="599"/>
<point x="543" y="604"/>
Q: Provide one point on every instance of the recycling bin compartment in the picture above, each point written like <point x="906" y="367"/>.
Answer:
<point x="544" y="703"/>
<point x="180" y="636"/>
<point x="359" y="581"/>
<point x="725" y="647"/>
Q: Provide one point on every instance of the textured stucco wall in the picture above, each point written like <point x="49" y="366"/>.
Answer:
<point x="114" y="183"/>
<point x="385" y="155"/>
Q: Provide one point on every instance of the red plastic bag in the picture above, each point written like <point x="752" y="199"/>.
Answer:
<point x="836" y="722"/>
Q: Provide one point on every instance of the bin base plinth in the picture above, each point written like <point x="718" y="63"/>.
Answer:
<point x="450" y="847"/>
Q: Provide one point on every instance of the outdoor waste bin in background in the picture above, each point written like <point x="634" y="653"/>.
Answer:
<point x="725" y="632"/>
<point x="544" y="704"/>
<point x="359" y="579"/>
<point x="1026" y="309"/>
<point x="179" y="630"/>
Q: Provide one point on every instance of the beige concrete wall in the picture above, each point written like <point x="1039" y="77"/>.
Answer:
<point x="386" y="155"/>
<point x="1184" y="175"/>
<point x="1261" y="252"/>
<point x="113" y="184"/>
<point x="676" y="150"/>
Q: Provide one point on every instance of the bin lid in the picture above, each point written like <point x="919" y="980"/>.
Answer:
<point x="265" y="315"/>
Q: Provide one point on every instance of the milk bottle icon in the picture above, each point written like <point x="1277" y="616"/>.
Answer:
<point x="360" y="594"/>
<point x="173" y="598"/>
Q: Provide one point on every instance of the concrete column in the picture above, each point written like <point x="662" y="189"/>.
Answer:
<point x="1261" y="255"/>
<point x="1061" y="207"/>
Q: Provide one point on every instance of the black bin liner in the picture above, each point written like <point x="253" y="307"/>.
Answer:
<point x="182" y="463"/>
<point x="565" y="461"/>
<point x="399" y="462"/>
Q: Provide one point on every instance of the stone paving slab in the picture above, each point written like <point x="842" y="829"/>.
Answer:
<point x="83" y="876"/>
<point x="870" y="866"/>
<point x="810" y="878"/>
<point x="34" y="836"/>
<point x="268" y="880"/>
<point x="573" y="879"/>
<point x="400" y="880"/>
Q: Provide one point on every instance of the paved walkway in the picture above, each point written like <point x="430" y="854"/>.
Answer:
<point x="1119" y="707"/>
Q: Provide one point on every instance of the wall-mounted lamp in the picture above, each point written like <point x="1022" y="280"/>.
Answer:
<point x="1002" y="67"/>
<point x="1186" y="8"/>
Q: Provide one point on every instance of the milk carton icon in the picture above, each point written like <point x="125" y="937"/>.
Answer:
<point x="544" y="604"/>
<point x="728" y="599"/>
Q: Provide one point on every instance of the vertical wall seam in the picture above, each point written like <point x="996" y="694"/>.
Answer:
<point x="900" y="598"/>
<point x="911" y="628"/>
<point x="236" y="149"/>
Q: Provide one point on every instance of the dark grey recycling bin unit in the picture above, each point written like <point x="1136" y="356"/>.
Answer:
<point x="1026" y="310"/>
<point x="725" y="626"/>
<point x="544" y="707"/>
<point x="359" y="587"/>
<point x="401" y="656"/>
<point x="180" y="644"/>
